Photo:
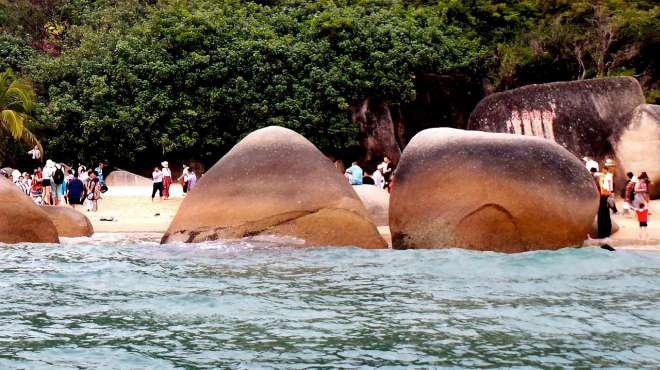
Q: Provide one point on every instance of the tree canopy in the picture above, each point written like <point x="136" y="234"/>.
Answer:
<point x="134" y="80"/>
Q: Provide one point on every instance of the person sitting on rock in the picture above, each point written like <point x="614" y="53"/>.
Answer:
<point x="356" y="174"/>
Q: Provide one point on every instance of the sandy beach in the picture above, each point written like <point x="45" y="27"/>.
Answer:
<point x="132" y="211"/>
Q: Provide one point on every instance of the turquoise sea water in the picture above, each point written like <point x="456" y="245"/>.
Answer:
<point x="115" y="302"/>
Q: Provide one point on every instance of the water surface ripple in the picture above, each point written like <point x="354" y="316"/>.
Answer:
<point x="115" y="302"/>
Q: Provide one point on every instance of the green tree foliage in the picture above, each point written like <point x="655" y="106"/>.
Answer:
<point x="16" y="104"/>
<point x="131" y="81"/>
<point x="190" y="79"/>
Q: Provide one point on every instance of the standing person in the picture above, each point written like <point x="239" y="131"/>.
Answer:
<point x="387" y="169"/>
<point x="167" y="179"/>
<point x="192" y="180"/>
<point x="643" y="218"/>
<point x="157" y="177"/>
<point x="183" y="179"/>
<point x="642" y="190"/>
<point x="99" y="173"/>
<point x="355" y="173"/>
<point x="607" y="179"/>
<point x="379" y="181"/>
<point x="57" y="183"/>
<point x="629" y="193"/>
<point x="93" y="191"/>
<point x="37" y="190"/>
<point x="35" y="153"/>
<point x="46" y="181"/>
<point x="74" y="190"/>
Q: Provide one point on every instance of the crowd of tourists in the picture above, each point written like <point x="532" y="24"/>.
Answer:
<point x="635" y="194"/>
<point x="162" y="180"/>
<point x="382" y="177"/>
<point x="56" y="183"/>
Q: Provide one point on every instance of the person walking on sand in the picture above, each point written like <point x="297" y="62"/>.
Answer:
<point x="607" y="183"/>
<point x="56" y="183"/>
<point x="642" y="190"/>
<point x="167" y="179"/>
<point x="628" y="194"/>
<point x="379" y="181"/>
<point x="93" y="190"/>
<point x="157" y="177"/>
<point x="192" y="180"/>
<point x="183" y="179"/>
<point x="643" y="218"/>
<point x="387" y="170"/>
<point x="74" y="191"/>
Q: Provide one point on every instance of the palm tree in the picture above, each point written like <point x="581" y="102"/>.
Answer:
<point x="16" y="102"/>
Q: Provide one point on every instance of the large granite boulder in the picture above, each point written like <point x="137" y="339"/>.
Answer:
<point x="69" y="222"/>
<point x="586" y="117"/>
<point x="638" y="148"/>
<point x="125" y="178"/>
<point x="21" y="220"/>
<point x="489" y="191"/>
<point x="376" y="201"/>
<point x="275" y="182"/>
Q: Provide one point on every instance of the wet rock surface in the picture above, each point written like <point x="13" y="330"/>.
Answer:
<point x="69" y="222"/>
<point x="21" y="220"/>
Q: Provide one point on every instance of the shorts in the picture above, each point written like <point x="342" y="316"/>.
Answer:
<point x="73" y="201"/>
<point x="45" y="182"/>
<point x="643" y="224"/>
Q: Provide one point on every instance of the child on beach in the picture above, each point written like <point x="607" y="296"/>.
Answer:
<point x="643" y="218"/>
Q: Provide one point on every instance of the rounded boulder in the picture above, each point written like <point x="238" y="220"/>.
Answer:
<point x="274" y="182"/>
<point x="491" y="192"/>
<point x="22" y="221"/>
<point x="69" y="222"/>
<point x="125" y="178"/>
<point x="638" y="148"/>
<point x="376" y="201"/>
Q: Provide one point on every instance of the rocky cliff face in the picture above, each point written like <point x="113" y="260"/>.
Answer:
<point x="440" y="101"/>
<point x="586" y="117"/>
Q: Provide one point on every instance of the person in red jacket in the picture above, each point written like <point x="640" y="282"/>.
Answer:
<point x="643" y="218"/>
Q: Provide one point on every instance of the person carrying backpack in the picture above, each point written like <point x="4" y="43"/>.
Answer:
<point x="57" y="184"/>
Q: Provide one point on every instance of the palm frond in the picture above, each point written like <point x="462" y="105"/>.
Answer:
<point x="19" y="97"/>
<point x="14" y="122"/>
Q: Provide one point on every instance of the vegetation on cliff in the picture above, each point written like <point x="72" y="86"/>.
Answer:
<point x="131" y="81"/>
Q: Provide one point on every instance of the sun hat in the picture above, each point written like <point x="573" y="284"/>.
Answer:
<point x="164" y="164"/>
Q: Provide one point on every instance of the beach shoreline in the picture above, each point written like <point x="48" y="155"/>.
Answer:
<point x="132" y="211"/>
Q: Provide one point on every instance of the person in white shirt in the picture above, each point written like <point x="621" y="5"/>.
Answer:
<point x="46" y="181"/>
<point x="35" y="153"/>
<point x="379" y="180"/>
<point x="590" y="163"/>
<point x="157" y="177"/>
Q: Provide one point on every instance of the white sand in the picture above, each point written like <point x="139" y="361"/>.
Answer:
<point x="134" y="212"/>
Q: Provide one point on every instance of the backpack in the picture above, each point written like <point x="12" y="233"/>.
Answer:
<point x="58" y="176"/>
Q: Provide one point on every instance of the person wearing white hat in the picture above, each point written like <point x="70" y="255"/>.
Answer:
<point x="167" y="179"/>
<point x="379" y="180"/>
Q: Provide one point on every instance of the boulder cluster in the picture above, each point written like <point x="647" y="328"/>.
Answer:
<point x="511" y="183"/>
